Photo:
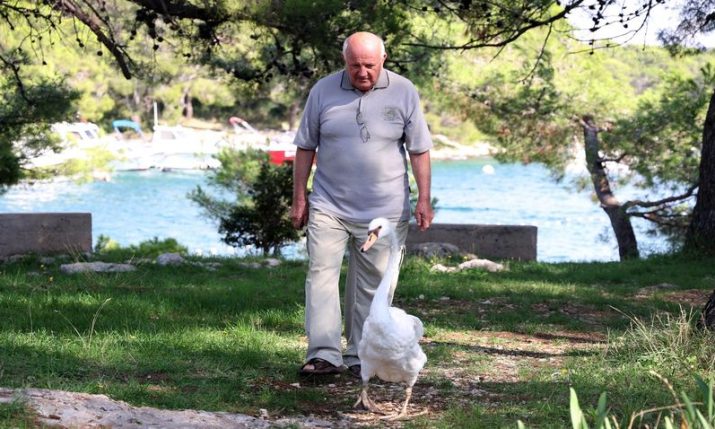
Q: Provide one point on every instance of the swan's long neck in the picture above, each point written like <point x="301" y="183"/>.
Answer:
<point x="381" y="300"/>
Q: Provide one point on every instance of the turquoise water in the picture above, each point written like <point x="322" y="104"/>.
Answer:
<point x="137" y="206"/>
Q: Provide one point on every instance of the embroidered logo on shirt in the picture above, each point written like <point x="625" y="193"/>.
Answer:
<point x="390" y="113"/>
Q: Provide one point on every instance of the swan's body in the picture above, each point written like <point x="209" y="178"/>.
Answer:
<point x="389" y="347"/>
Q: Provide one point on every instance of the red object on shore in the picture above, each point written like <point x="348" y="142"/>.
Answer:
<point x="280" y="157"/>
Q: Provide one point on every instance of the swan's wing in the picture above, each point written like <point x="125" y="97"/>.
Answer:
<point x="419" y="329"/>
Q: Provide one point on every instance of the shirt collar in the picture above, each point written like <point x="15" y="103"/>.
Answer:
<point x="383" y="81"/>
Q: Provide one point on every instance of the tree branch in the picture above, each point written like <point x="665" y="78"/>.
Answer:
<point x="15" y="69"/>
<point x="94" y="24"/>
<point x="674" y="198"/>
<point x="513" y="33"/>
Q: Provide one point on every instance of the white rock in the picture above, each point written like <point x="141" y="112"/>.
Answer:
<point x="170" y="259"/>
<point x="442" y="269"/>
<point x="481" y="263"/>
<point x="272" y="262"/>
<point x="471" y="264"/>
<point x="250" y="265"/>
<point x="96" y="267"/>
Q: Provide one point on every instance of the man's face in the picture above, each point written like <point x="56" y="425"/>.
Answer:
<point x="363" y="62"/>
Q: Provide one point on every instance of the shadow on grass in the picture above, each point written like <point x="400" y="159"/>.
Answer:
<point x="176" y="377"/>
<point x="512" y="352"/>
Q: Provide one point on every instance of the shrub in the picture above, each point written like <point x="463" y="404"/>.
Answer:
<point x="259" y="214"/>
<point x="147" y="249"/>
<point x="263" y="222"/>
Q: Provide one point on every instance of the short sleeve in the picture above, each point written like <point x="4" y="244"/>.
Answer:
<point x="308" y="135"/>
<point x="417" y="134"/>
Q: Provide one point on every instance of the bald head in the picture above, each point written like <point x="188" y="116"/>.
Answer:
<point x="363" y="38"/>
<point x="364" y="55"/>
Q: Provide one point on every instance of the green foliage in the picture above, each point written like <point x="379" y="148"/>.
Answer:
<point x="238" y="171"/>
<point x="26" y="114"/>
<point x="258" y="214"/>
<point x="529" y="119"/>
<point x="146" y="249"/>
<point x="17" y="414"/>
<point x="668" y="344"/>
<point x="264" y="222"/>
<point x="685" y="414"/>
<point x="105" y="244"/>
<point x="662" y="138"/>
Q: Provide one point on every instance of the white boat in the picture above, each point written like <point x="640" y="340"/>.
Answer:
<point x="170" y="147"/>
<point x="75" y="140"/>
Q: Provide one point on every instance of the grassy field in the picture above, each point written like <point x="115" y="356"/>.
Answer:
<point x="502" y="347"/>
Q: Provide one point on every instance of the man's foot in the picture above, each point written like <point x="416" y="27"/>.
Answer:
<point x="318" y="366"/>
<point x="355" y="370"/>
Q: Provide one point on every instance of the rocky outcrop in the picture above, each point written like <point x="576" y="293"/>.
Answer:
<point x="83" y="410"/>
<point x="96" y="267"/>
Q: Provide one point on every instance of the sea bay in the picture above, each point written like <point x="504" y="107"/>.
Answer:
<point x="137" y="206"/>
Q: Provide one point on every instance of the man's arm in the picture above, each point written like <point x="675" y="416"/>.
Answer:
<point x="301" y="171"/>
<point x="422" y="171"/>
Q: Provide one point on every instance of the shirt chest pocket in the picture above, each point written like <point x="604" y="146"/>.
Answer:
<point x="389" y="123"/>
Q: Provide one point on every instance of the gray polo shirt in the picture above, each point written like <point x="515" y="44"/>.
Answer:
<point x="359" y="180"/>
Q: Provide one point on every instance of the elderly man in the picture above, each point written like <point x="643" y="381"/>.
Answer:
<point x="363" y="120"/>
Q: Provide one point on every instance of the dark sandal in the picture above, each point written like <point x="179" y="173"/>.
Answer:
<point x="318" y="366"/>
<point x="355" y="370"/>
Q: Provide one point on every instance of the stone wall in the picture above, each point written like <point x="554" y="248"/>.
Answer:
<point x="45" y="233"/>
<point x="486" y="241"/>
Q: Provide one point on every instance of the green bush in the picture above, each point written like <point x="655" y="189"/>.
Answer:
<point x="259" y="214"/>
<point x="263" y="221"/>
<point x="146" y="249"/>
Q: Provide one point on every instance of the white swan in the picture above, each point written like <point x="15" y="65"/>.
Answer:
<point x="389" y="347"/>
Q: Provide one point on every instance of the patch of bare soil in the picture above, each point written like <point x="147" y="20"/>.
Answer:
<point x="688" y="298"/>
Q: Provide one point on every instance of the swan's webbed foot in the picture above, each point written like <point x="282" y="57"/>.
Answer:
<point x="367" y="403"/>
<point x="402" y="415"/>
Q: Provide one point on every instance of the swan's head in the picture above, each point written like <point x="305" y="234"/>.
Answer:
<point x="378" y="227"/>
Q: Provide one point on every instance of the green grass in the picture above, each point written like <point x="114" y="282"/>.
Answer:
<point x="232" y="339"/>
<point x="16" y="415"/>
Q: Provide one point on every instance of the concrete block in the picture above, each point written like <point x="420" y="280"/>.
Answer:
<point x="45" y="233"/>
<point x="486" y="241"/>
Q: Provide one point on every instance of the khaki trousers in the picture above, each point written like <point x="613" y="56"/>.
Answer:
<point x="328" y="239"/>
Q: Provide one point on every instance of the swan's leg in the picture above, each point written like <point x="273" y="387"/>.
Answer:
<point x="402" y="415"/>
<point x="408" y="395"/>
<point x="366" y="402"/>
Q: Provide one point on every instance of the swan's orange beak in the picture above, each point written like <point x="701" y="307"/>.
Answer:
<point x="371" y="239"/>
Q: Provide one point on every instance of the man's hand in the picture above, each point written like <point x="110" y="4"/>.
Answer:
<point x="424" y="214"/>
<point x="301" y="170"/>
<point x="299" y="214"/>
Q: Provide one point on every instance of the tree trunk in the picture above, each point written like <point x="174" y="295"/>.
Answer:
<point x="707" y="316"/>
<point x="620" y="221"/>
<point x="701" y="232"/>
<point x="293" y="115"/>
<point x="187" y="104"/>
